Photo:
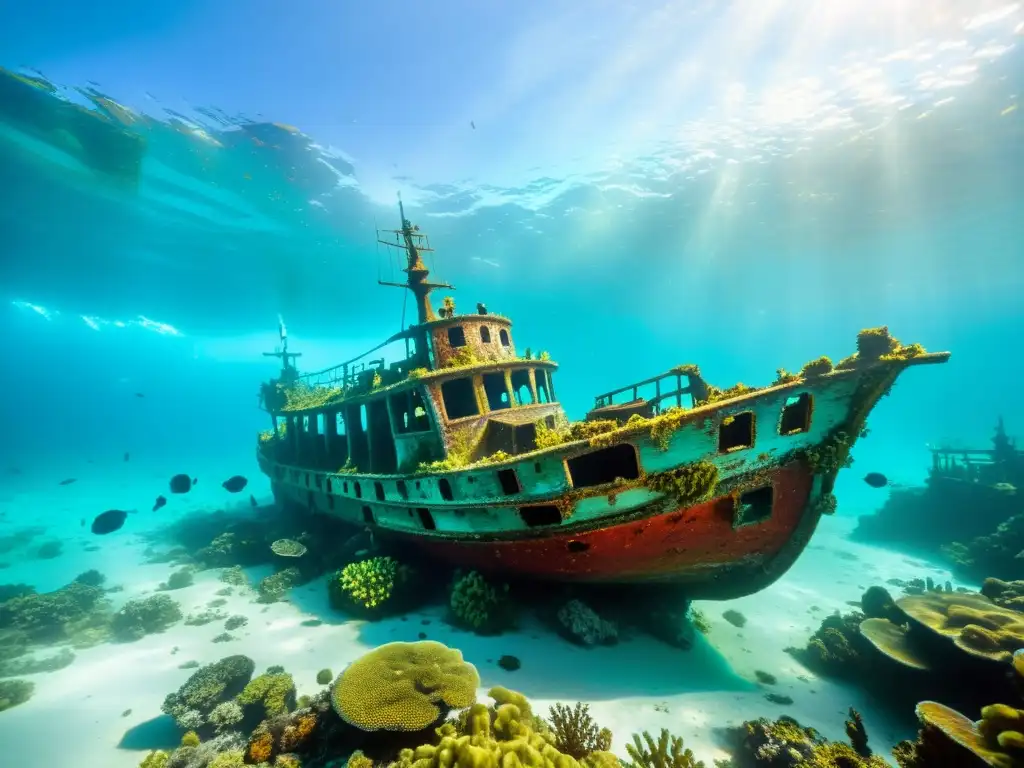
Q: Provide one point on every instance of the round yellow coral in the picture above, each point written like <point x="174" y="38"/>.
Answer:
<point x="403" y="686"/>
<point x="370" y="582"/>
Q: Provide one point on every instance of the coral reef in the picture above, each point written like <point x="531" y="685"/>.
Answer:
<point x="479" y="605"/>
<point x="582" y="625"/>
<point x="144" y="616"/>
<point x="274" y="587"/>
<point x="178" y="580"/>
<point x="14" y="692"/>
<point x="784" y="743"/>
<point x="208" y="687"/>
<point x="272" y="692"/>
<point x="404" y="686"/>
<point x="949" y="739"/>
<point x="836" y="648"/>
<point x="49" y="617"/>
<point x="1006" y="594"/>
<point x="993" y="555"/>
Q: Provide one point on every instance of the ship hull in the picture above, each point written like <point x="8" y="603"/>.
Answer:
<point x="701" y="547"/>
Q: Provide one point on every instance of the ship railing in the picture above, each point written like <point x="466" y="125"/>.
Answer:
<point x="343" y="376"/>
<point x="680" y="395"/>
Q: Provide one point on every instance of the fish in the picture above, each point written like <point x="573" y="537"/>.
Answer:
<point x="139" y="394"/>
<point x="1005" y="488"/>
<point x="160" y="501"/>
<point x="126" y="455"/>
<point x="181" y="484"/>
<point x="109" y="521"/>
<point x="235" y="484"/>
<point x="472" y="124"/>
<point x="69" y="481"/>
<point x="876" y="479"/>
<point x="195" y="480"/>
<point x="82" y="523"/>
<point x="252" y="501"/>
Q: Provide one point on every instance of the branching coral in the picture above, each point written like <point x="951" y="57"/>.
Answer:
<point x="226" y="715"/>
<point x="478" y="604"/>
<point x="576" y="734"/>
<point x="404" y="686"/>
<point x="667" y="752"/>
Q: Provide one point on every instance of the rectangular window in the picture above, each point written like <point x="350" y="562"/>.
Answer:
<point x="796" y="414"/>
<point x="459" y="398"/>
<point x="497" y="394"/>
<point x="736" y="432"/>
<point x="457" y="336"/>
<point x="521" y="390"/>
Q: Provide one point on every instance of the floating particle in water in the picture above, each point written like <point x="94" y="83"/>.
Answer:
<point x="235" y="484"/>
<point x="109" y="521"/>
<point x="126" y="455"/>
<point x="876" y="479"/>
<point x="181" y="484"/>
<point x="69" y="481"/>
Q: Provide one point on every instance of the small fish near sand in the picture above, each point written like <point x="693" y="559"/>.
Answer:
<point x="235" y="484"/>
<point x="160" y="501"/>
<point x="69" y="481"/>
<point x="181" y="484"/>
<point x="876" y="479"/>
<point x="109" y="521"/>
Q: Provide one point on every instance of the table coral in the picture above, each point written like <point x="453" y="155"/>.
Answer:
<point x="975" y="624"/>
<point x="404" y="686"/>
<point x="966" y="742"/>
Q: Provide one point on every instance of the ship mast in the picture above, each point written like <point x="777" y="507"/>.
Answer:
<point x="289" y="372"/>
<point x="414" y="243"/>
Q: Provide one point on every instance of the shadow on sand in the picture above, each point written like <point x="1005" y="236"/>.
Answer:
<point x="157" y="733"/>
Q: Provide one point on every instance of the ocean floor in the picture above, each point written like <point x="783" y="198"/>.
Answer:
<point x="106" y="705"/>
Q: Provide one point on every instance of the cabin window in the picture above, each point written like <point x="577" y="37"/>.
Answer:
<point x="378" y="488"/>
<point x="339" y="424"/>
<point x="796" y="414"/>
<point x="456" y="336"/>
<point x="426" y="519"/>
<point x="367" y="515"/>
<point x="485" y="334"/>
<point x="736" y="432"/>
<point x="445" y="488"/>
<point x="540" y="514"/>
<point x="321" y="424"/>
<point x="402" y="489"/>
<point x="543" y="393"/>
<point x="362" y="417"/>
<point x="753" y="507"/>
<point x="459" y="398"/>
<point x="503" y="337"/>
<point x="522" y="392"/>
<point x="409" y="413"/>
<point x="383" y="457"/>
<point x="497" y="393"/>
<point x="357" y="490"/>
<point x="616" y="462"/>
<point x="305" y="423"/>
<point x="509" y="482"/>
<point x="420" y="420"/>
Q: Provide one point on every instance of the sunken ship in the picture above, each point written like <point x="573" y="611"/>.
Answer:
<point x="462" y="450"/>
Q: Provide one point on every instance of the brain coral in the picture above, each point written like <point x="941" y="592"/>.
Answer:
<point x="404" y="686"/>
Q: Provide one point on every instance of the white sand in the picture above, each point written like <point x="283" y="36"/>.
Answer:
<point x="75" y="716"/>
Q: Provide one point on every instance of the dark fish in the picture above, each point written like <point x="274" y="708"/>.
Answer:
<point x="126" y="455"/>
<point x="139" y="394"/>
<point x="160" y="501"/>
<point x="181" y="484"/>
<point x="195" y="480"/>
<point x="235" y="484"/>
<point x="876" y="479"/>
<point x="472" y="124"/>
<point x="69" y="481"/>
<point x="83" y="522"/>
<point x="109" y="521"/>
<point x="252" y="500"/>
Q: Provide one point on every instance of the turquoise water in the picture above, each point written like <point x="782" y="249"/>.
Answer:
<point x="635" y="187"/>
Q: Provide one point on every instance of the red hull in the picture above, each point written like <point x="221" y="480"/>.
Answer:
<point x="693" y="544"/>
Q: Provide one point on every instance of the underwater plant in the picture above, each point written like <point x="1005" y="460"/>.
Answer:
<point x="479" y="605"/>
<point x="272" y="692"/>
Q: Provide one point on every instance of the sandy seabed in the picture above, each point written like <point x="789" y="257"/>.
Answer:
<point x="103" y="711"/>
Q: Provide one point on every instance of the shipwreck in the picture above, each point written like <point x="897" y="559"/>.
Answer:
<point x="462" y="450"/>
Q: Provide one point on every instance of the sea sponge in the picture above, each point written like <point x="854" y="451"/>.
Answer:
<point x="261" y="745"/>
<point x="209" y="686"/>
<point x="404" y="686"/>
<point x="274" y="692"/>
<point x="298" y="731"/>
<point x="324" y="676"/>
<point x="478" y="604"/>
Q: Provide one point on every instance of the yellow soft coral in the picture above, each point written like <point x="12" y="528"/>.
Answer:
<point x="404" y="686"/>
<point x="369" y="582"/>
